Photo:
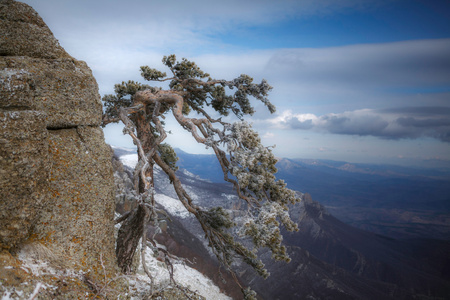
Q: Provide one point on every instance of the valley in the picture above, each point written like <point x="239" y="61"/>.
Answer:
<point x="394" y="201"/>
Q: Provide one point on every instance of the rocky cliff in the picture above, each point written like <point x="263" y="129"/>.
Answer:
<point x="56" y="181"/>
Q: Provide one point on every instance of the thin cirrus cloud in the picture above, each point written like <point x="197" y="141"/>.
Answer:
<point x="394" y="123"/>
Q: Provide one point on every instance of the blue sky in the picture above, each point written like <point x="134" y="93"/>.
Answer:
<point x="354" y="80"/>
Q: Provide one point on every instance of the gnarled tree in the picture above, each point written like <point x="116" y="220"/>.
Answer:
<point x="245" y="162"/>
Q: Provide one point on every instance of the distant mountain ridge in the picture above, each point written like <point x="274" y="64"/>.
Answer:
<point x="391" y="200"/>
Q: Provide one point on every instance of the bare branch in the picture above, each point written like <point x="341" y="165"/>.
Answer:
<point x="122" y="218"/>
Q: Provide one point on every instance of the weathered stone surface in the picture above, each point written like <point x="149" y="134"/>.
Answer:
<point x="56" y="180"/>
<point x="79" y="223"/>
<point x="24" y="169"/>
<point x="24" y="33"/>
<point x="63" y="88"/>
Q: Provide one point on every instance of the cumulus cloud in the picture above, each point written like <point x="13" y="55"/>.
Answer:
<point x="395" y="123"/>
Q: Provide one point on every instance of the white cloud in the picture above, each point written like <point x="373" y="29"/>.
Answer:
<point x="115" y="38"/>
<point x="199" y="15"/>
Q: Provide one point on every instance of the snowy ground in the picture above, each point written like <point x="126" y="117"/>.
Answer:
<point x="172" y="206"/>
<point x="183" y="275"/>
<point x="139" y="284"/>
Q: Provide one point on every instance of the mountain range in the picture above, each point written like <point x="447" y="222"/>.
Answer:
<point x="330" y="259"/>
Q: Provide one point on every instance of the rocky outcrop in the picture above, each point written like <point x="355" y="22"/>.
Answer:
<point x="56" y="180"/>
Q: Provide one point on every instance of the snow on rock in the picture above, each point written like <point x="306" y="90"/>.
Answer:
<point x="29" y="256"/>
<point x="172" y="206"/>
<point x="139" y="285"/>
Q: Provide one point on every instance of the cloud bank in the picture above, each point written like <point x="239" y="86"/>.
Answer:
<point x="393" y="123"/>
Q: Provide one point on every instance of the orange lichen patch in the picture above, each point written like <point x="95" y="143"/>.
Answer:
<point x="76" y="239"/>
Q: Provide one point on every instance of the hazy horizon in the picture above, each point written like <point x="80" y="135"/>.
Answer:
<point x="433" y="165"/>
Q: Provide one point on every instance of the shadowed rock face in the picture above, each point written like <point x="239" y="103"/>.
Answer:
<point x="56" y="181"/>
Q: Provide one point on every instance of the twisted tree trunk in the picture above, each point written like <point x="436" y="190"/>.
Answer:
<point x="128" y="238"/>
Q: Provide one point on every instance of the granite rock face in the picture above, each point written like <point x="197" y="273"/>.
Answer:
<point x="63" y="88"/>
<point x="24" y="169"/>
<point x="56" y="179"/>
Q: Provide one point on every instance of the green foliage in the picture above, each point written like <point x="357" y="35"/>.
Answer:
<point x="169" y="61"/>
<point x="168" y="155"/>
<point x="249" y="294"/>
<point x="150" y="74"/>
<point x="198" y="92"/>
<point x="185" y="69"/>
<point x="190" y="79"/>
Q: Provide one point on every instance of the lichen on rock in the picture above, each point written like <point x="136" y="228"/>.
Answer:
<point x="24" y="170"/>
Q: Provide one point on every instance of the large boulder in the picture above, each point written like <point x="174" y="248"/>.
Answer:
<point x="56" y="179"/>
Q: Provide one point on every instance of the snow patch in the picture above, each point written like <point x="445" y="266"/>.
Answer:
<point x="172" y="206"/>
<point x="38" y="267"/>
<point x="129" y="160"/>
<point x="229" y="196"/>
<point x="193" y="177"/>
<point x="191" y="192"/>
<point x="183" y="275"/>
